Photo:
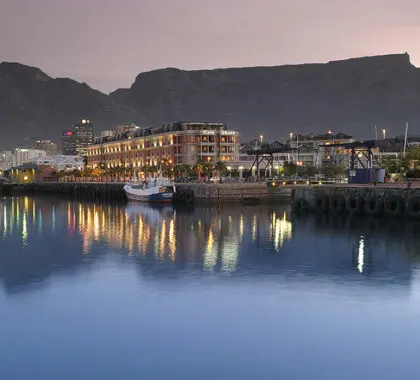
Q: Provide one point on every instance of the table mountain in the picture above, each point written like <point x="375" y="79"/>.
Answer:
<point x="350" y="96"/>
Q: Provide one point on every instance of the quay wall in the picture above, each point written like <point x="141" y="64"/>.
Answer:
<point x="397" y="201"/>
<point x="226" y="192"/>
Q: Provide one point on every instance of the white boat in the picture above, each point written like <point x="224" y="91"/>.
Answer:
<point x="158" y="189"/>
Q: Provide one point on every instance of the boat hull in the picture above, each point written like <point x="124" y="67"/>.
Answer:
<point x="152" y="198"/>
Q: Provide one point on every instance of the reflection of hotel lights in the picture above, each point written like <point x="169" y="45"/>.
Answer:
<point x="162" y="239"/>
<point x="172" y="240"/>
<point x="210" y="254"/>
<point x="361" y="254"/>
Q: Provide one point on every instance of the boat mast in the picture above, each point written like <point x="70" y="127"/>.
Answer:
<point x="405" y="139"/>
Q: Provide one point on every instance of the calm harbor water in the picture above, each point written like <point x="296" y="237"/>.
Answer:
<point x="98" y="291"/>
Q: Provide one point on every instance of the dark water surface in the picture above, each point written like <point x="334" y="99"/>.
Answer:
<point x="133" y="292"/>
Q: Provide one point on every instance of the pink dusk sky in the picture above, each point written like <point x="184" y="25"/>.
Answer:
<point x="107" y="43"/>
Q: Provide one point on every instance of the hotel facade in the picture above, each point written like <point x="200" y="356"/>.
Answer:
<point x="179" y="143"/>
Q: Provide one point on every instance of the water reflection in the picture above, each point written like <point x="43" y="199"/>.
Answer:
<point x="41" y="237"/>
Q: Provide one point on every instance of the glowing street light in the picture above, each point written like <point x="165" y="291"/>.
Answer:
<point x="261" y="138"/>
<point x="384" y="133"/>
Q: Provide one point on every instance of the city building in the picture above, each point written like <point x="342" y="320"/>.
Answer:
<point x="76" y="140"/>
<point x="61" y="162"/>
<point x="50" y="147"/>
<point x="121" y="129"/>
<point x="6" y="159"/>
<point x="179" y="143"/>
<point x="19" y="156"/>
<point x="24" y="156"/>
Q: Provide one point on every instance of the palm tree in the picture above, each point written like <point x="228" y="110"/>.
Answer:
<point x="220" y="168"/>
<point x="149" y="169"/>
<point x="88" y="172"/>
<point x="200" y="167"/>
<point x="166" y="167"/>
<point x="182" y="170"/>
<point x="119" y="171"/>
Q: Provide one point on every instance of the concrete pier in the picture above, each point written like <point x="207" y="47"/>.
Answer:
<point x="396" y="201"/>
<point x="76" y="190"/>
<point x="202" y="192"/>
<point x="230" y="192"/>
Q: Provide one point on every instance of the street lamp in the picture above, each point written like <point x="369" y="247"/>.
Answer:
<point x="261" y="138"/>
<point x="384" y="133"/>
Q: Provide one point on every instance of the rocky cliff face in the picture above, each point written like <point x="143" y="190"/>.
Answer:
<point x="351" y="96"/>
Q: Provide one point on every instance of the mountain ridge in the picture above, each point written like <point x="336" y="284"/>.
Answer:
<point x="350" y="95"/>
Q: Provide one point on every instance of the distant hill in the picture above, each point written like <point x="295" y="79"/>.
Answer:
<point x="350" y="96"/>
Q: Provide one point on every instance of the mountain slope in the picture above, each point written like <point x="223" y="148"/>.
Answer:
<point x="34" y="104"/>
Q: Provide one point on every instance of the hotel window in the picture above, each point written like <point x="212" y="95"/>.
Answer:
<point x="204" y="139"/>
<point x="223" y="139"/>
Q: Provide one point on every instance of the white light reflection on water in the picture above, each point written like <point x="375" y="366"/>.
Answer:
<point x="361" y="254"/>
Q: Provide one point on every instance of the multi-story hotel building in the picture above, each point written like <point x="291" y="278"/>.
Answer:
<point x="179" y="143"/>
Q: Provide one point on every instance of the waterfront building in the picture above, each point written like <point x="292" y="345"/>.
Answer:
<point x="24" y="173"/>
<point x="302" y="150"/>
<point x="178" y="143"/>
<point x="61" y="162"/>
<point x="314" y="150"/>
<point x="76" y="140"/>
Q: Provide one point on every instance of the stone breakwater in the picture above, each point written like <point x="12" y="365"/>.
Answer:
<point x="362" y="200"/>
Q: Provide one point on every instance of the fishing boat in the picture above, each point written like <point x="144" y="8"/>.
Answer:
<point x="159" y="190"/>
